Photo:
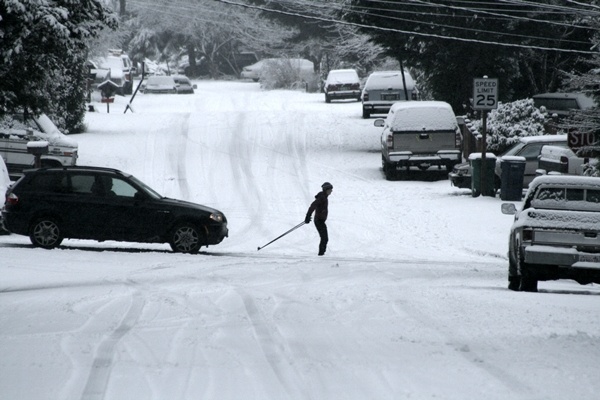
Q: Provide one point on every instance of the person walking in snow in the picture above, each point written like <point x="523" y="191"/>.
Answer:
<point x="319" y="206"/>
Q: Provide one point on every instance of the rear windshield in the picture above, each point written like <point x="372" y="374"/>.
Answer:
<point x="567" y="198"/>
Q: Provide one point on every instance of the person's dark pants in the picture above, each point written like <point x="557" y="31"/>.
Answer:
<point x="322" y="229"/>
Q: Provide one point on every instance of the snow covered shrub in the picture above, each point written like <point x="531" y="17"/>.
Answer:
<point x="286" y="74"/>
<point x="508" y="123"/>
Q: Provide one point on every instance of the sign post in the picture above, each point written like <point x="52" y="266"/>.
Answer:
<point x="485" y="97"/>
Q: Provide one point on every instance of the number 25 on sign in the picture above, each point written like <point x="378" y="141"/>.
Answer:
<point x="485" y="93"/>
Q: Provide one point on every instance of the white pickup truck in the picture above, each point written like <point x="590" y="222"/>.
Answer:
<point x="556" y="234"/>
<point x="562" y="160"/>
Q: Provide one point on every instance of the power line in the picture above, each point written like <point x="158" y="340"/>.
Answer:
<point x="422" y="34"/>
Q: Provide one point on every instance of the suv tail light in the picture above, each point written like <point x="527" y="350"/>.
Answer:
<point x="12" y="199"/>
<point x="390" y="141"/>
<point x="457" y="140"/>
<point x="527" y="235"/>
<point x="564" y="160"/>
<point x="365" y="96"/>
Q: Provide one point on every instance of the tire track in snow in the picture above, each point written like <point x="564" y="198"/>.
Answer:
<point x="99" y="375"/>
<point x="276" y="351"/>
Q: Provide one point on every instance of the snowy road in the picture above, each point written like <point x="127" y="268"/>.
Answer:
<point x="410" y="301"/>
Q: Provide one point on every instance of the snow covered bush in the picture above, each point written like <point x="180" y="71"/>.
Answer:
<point x="508" y="123"/>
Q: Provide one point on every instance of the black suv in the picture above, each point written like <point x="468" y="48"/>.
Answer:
<point x="51" y="204"/>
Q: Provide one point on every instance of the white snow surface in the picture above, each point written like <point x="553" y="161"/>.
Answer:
<point x="409" y="302"/>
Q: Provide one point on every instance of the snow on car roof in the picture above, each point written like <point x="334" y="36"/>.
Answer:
<point x="421" y="115"/>
<point x="566" y="180"/>
<point x="342" y="75"/>
<point x="383" y="80"/>
<point x="544" y="138"/>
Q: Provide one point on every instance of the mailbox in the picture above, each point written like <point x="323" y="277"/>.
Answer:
<point x="37" y="148"/>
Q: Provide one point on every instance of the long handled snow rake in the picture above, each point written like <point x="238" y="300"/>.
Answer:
<point x="279" y="237"/>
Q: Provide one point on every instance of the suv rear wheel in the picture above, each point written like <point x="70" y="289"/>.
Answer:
<point x="45" y="233"/>
<point x="186" y="238"/>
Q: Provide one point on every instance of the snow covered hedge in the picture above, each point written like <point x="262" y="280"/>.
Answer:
<point x="508" y="123"/>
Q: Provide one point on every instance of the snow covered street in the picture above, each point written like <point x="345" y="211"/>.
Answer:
<point x="410" y="301"/>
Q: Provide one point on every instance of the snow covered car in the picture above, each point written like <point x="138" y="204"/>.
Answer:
<point x="17" y="131"/>
<point x="556" y="234"/>
<point x="384" y="88"/>
<point x="50" y="204"/>
<point x="342" y="84"/>
<point x="160" y="84"/>
<point x="184" y="85"/>
<point x="529" y="147"/>
<point x="562" y="104"/>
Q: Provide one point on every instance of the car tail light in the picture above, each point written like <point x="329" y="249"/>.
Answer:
<point x="414" y="96"/>
<point x="564" y="160"/>
<point x="12" y="199"/>
<point x="390" y="141"/>
<point x="527" y="235"/>
<point x="365" y="96"/>
<point x="457" y="139"/>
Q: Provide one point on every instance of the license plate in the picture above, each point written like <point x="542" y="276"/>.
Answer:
<point x="589" y="257"/>
<point x="389" y="96"/>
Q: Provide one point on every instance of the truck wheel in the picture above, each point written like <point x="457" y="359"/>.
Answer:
<point x="45" y="233"/>
<point x="528" y="283"/>
<point x="186" y="238"/>
<point x="366" y="114"/>
<point x="388" y="171"/>
<point x="514" y="283"/>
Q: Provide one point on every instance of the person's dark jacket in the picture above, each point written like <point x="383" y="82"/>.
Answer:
<point x="319" y="206"/>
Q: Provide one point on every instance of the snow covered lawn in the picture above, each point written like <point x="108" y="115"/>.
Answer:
<point x="410" y="300"/>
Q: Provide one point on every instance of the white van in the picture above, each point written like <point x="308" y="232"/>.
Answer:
<point x="384" y="88"/>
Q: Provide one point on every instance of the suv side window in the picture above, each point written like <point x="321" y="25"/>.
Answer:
<point x="122" y="188"/>
<point x="51" y="183"/>
<point x="82" y="184"/>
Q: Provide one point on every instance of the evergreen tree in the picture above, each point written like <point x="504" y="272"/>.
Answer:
<point x="42" y="55"/>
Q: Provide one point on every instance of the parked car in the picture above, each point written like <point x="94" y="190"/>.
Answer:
<point x="17" y="130"/>
<point x="529" y="147"/>
<point x="556" y="233"/>
<point x="184" y="85"/>
<point x="342" y="84"/>
<point x="157" y="84"/>
<point x="384" y="88"/>
<point x="561" y="104"/>
<point x="419" y="134"/>
<point x="51" y="204"/>
<point x="305" y="68"/>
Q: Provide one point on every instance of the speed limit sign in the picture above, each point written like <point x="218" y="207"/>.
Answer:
<point x="485" y="93"/>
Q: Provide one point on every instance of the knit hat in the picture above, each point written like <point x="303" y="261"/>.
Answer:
<point x="327" y="186"/>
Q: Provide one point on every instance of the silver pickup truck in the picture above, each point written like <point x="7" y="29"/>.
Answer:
<point x="556" y="234"/>
<point x="419" y="135"/>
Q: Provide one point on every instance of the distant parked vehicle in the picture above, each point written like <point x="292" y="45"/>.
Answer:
<point x="419" y="134"/>
<point x="556" y="233"/>
<point x="51" y="204"/>
<point x="17" y="131"/>
<point x="157" y="84"/>
<point x="342" y="84"/>
<point x="384" y="88"/>
<point x="529" y="147"/>
<point x="116" y="67"/>
<point x="184" y="85"/>
<point x="562" y="104"/>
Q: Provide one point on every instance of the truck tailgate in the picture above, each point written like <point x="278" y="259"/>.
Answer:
<point x="424" y="142"/>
